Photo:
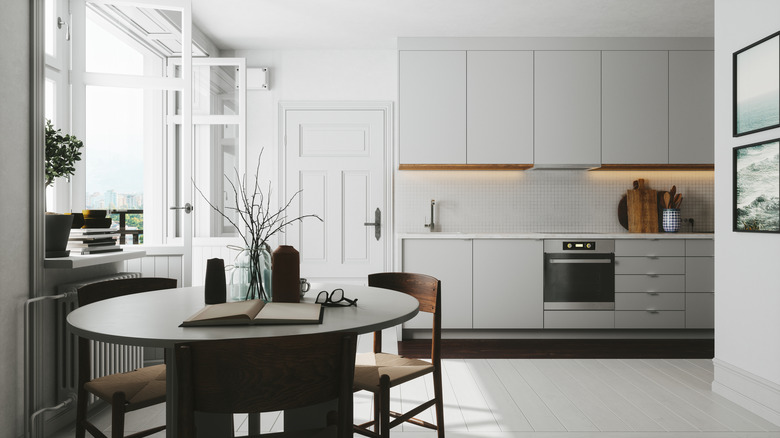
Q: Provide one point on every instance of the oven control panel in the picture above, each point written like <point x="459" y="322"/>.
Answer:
<point x="579" y="246"/>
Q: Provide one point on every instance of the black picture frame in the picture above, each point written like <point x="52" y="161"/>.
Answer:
<point x="756" y="179"/>
<point x="756" y="101"/>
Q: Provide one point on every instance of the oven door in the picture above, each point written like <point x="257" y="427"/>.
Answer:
<point x="576" y="281"/>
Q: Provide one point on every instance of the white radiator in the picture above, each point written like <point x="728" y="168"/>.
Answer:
<point x="106" y="358"/>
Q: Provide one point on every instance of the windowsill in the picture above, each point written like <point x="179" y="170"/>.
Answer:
<point x="82" y="261"/>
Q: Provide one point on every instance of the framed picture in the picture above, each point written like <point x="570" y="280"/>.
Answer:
<point x="757" y="86"/>
<point x="757" y="187"/>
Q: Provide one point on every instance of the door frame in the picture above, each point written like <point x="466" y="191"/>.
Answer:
<point x="386" y="107"/>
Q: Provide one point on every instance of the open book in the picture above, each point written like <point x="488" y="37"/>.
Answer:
<point x="256" y="312"/>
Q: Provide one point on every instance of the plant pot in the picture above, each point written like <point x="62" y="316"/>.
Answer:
<point x="56" y="232"/>
<point x="671" y="220"/>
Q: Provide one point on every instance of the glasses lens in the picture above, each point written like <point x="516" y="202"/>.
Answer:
<point x="337" y="295"/>
<point x="322" y="297"/>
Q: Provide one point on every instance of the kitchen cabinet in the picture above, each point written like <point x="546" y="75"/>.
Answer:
<point x="432" y="93"/>
<point x="691" y="105"/>
<point x="635" y="107"/>
<point x="500" y="108"/>
<point x="700" y="284"/>
<point x="567" y="108"/>
<point x="579" y="319"/>
<point x="508" y="277"/>
<point x="450" y="261"/>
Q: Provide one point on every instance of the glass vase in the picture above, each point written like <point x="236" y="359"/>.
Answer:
<point x="250" y="278"/>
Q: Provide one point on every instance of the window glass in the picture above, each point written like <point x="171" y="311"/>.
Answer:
<point x="107" y="52"/>
<point x="114" y="148"/>
<point x="214" y="90"/>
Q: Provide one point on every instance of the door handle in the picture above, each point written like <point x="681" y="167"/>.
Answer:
<point x="187" y="208"/>
<point x="377" y="224"/>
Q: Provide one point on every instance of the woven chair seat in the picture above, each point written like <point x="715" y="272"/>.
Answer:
<point x="142" y="386"/>
<point x="369" y="367"/>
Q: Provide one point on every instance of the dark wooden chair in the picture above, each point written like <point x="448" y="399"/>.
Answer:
<point x="377" y="372"/>
<point x="267" y="374"/>
<point x="125" y="392"/>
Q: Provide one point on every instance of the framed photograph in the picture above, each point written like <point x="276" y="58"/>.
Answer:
<point x="757" y="86"/>
<point x="757" y="187"/>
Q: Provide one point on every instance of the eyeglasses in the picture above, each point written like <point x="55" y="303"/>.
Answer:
<point x="334" y="299"/>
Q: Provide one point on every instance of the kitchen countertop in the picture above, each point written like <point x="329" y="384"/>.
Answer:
<point x="625" y="235"/>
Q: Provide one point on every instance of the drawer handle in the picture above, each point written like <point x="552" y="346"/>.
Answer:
<point x="652" y="275"/>
<point x="652" y="311"/>
<point x="653" y="293"/>
<point x="652" y="257"/>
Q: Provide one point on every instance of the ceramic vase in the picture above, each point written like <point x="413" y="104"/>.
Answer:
<point x="286" y="275"/>
<point x="214" y="286"/>
<point x="671" y="220"/>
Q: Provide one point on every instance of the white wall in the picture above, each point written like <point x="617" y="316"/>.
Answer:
<point x="747" y="278"/>
<point x="14" y="233"/>
<point x="310" y="75"/>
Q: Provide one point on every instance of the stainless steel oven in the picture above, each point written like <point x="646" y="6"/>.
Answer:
<point x="579" y="274"/>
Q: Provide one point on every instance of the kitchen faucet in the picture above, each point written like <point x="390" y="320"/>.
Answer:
<point x="431" y="225"/>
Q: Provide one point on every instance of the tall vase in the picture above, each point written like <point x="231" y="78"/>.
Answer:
<point x="250" y="278"/>
<point x="286" y="279"/>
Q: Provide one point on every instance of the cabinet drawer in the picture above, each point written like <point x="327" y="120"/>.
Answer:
<point x="699" y="274"/>
<point x="649" y="301"/>
<point x="649" y="265"/>
<point x="649" y="248"/>
<point x="700" y="311"/>
<point x="579" y="319"/>
<point x="636" y="319"/>
<point x="649" y="283"/>
<point x="700" y="248"/>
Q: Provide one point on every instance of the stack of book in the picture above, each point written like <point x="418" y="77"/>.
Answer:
<point x="93" y="240"/>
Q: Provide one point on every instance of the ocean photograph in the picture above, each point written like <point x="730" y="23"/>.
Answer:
<point x="757" y="82"/>
<point x="757" y="187"/>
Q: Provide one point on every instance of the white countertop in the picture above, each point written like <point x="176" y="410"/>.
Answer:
<point x="82" y="261"/>
<point x="538" y="236"/>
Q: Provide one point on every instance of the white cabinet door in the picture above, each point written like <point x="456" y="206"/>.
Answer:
<point x="432" y="107"/>
<point x="508" y="276"/>
<point x="450" y="262"/>
<point x="500" y="109"/>
<point x="635" y="107"/>
<point x="691" y="105"/>
<point x="567" y="108"/>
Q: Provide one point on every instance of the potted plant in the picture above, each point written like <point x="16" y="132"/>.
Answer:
<point x="62" y="152"/>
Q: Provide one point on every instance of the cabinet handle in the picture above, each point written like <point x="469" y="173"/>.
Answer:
<point x="652" y="275"/>
<point x="652" y="293"/>
<point x="653" y="257"/>
<point x="652" y="311"/>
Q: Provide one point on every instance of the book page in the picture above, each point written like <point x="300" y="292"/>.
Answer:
<point x="244" y="310"/>
<point x="289" y="312"/>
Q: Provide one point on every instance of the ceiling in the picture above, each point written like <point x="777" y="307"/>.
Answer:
<point x="375" y="24"/>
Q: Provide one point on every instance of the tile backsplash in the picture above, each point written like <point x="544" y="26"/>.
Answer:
<point x="555" y="201"/>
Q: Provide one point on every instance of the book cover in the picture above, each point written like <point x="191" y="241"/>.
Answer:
<point x="253" y="312"/>
<point x="101" y="249"/>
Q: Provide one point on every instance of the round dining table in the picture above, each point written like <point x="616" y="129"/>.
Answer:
<point x="152" y="319"/>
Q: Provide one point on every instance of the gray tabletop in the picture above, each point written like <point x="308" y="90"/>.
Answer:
<point x="151" y="319"/>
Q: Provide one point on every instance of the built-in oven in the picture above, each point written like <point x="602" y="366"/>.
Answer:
<point x="579" y="275"/>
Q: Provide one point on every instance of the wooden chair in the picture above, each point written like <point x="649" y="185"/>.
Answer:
<point x="267" y="374"/>
<point x="125" y="392"/>
<point x="377" y="372"/>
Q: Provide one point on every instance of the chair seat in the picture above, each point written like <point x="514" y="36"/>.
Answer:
<point x="369" y="367"/>
<point x="142" y="386"/>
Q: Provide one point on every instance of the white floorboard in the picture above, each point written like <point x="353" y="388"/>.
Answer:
<point x="552" y="398"/>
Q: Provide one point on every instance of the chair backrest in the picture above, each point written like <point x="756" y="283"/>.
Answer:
<point x="426" y="289"/>
<point x="116" y="288"/>
<point x="265" y="374"/>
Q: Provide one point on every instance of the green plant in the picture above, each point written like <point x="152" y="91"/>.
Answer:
<point x="62" y="152"/>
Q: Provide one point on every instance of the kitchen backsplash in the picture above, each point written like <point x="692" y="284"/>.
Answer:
<point x="556" y="201"/>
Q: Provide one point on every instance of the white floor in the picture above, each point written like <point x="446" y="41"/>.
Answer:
<point x="551" y="398"/>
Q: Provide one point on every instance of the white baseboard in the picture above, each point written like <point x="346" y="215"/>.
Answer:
<point x="752" y="392"/>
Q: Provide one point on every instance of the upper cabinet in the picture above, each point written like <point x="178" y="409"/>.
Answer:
<point x="433" y="107"/>
<point x="691" y="107"/>
<point x="500" y="108"/>
<point x="567" y="108"/>
<point x="635" y="107"/>
<point x="449" y="117"/>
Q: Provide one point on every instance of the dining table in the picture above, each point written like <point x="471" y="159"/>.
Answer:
<point x="152" y="319"/>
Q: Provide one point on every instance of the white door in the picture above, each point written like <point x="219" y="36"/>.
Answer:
<point x="336" y="155"/>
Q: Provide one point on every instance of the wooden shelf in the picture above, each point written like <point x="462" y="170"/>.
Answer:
<point x="655" y="167"/>
<point x="465" y="166"/>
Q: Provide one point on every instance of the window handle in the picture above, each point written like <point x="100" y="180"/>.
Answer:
<point x="187" y="208"/>
<point x="60" y="23"/>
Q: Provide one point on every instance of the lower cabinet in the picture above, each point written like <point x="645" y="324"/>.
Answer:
<point x="449" y="260"/>
<point x="508" y="276"/>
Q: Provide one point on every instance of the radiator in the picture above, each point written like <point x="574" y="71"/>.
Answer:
<point x="106" y="358"/>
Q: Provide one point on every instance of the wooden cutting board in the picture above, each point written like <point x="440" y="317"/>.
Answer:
<point x="642" y="209"/>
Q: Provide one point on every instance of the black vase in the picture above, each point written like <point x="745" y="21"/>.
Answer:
<point x="215" y="290"/>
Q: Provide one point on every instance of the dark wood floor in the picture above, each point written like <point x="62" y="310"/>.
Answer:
<point x="563" y="348"/>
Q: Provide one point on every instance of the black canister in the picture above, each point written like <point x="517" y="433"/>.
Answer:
<point x="214" y="284"/>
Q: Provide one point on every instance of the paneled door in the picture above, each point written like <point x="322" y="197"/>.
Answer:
<point x="335" y="155"/>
